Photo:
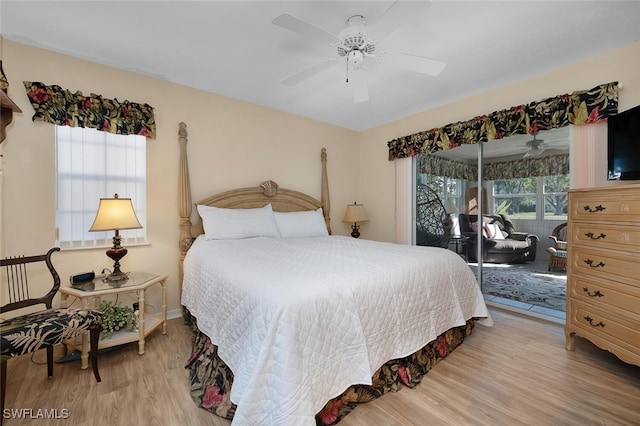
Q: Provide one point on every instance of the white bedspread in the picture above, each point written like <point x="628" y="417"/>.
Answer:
<point x="300" y="320"/>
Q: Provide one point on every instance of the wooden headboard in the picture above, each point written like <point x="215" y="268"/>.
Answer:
<point x="268" y="192"/>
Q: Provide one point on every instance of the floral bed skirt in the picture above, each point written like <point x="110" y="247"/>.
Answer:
<point x="211" y="379"/>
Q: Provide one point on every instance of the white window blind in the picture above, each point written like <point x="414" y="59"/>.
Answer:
<point x="90" y="165"/>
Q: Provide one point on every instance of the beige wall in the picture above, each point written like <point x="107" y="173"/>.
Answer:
<point x="231" y="144"/>
<point x="377" y="174"/>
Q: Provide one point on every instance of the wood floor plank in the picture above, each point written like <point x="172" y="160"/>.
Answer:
<point x="516" y="372"/>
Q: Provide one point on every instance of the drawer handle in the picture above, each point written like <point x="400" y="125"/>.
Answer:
<point x="598" y="208"/>
<point x="590" y="321"/>
<point x="594" y="294"/>
<point x="590" y="263"/>
<point x="594" y="237"/>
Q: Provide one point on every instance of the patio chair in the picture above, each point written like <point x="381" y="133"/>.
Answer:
<point x="501" y="242"/>
<point x="433" y="224"/>
<point x="558" y="253"/>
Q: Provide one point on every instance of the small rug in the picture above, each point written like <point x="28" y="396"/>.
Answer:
<point x="540" y="288"/>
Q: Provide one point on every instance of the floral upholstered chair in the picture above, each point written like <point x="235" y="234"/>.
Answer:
<point x="27" y="333"/>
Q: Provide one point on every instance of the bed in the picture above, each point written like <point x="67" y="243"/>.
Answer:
<point x="294" y="326"/>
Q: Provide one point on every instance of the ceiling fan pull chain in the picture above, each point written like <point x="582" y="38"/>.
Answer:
<point x="347" y="69"/>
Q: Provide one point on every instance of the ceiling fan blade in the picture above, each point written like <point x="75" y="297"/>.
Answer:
<point x="309" y="72"/>
<point x="418" y="63"/>
<point x="396" y="16"/>
<point x="299" y="26"/>
<point x="360" y="85"/>
<point x="534" y="152"/>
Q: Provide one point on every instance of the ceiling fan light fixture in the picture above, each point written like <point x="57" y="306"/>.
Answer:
<point x="355" y="57"/>
<point x="536" y="147"/>
<point x="534" y="151"/>
<point x="533" y="154"/>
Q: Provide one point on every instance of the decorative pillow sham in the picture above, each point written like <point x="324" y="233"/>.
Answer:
<point x="303" y="224"/>
<point x="485" y="229"/>
<point x="227" y="224"/>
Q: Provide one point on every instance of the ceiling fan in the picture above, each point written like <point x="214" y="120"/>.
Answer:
<point x="536" y="147"/>
<point x="356" y="49"/>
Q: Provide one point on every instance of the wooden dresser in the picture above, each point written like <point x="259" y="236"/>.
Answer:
<point x="603" y="269"/>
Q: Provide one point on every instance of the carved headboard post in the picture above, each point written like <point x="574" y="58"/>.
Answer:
<point x="184" y="199"/>
<point x="324" y="196"/>
<point x="268" y="192"/>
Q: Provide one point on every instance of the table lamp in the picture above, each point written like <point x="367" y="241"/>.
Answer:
<point x="115" y="214"/>
<point x="355" y="213"/>
<point x="452" y="212"/>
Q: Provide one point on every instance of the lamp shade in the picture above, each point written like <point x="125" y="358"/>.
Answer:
<point x="355" y="213"/>
<point x="115" y="213"/>
<point x="450" y="207"/>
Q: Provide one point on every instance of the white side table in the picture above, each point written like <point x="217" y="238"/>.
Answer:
<point x="139" y="282"/>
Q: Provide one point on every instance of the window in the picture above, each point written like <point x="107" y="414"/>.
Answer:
<point x="515" y="197"/>
<point x="521" y="198"/>
<point x="555" y="197"/>
<point x="90" y="165"/>
<point x="445" y="187"/>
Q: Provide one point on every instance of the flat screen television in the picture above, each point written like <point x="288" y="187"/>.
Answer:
<point x="624" y="145"/>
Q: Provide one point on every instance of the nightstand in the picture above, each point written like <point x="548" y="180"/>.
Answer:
<point x="90" y="293"/>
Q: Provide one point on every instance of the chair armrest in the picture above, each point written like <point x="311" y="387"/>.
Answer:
<point x="469" y="235"/>
<point x="519" y="236"/>
<point x="524" y="236"/>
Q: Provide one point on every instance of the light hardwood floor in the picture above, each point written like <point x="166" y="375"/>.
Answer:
<point x="516" y="372"/>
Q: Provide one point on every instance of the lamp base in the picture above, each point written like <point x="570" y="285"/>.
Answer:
<point x="116" y="277"/>
<point x="355" y="230"/>
<point x="116" y="253"/>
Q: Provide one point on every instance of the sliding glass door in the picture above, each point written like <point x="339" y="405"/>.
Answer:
<point x="504" y="179"/>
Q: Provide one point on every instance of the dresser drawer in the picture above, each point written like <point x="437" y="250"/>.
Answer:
<point x="612" y="205"/>
<point x="615" y="237"/>
<point x="605" y="294"/>
<point x="605" y="264"/>
<point x="620" y="331"/>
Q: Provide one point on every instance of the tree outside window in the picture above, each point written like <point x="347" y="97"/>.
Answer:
<point x="521" y="198"/>
<point x="516" y="197"/>
<point x="555" y="197"/>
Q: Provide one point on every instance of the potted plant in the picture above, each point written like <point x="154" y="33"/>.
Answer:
<point x="114" y="317"/>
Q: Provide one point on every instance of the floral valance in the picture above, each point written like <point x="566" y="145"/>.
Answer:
<point x="439" y="166"/>
<point x="543" y="166"/>
<point x="56" y="105"/>
<point x="580" y="107"/>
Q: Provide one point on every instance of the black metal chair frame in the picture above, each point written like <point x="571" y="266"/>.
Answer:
<point x="433" y="224"/>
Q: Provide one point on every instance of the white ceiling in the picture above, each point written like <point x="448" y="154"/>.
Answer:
<point x="232" y="48"/>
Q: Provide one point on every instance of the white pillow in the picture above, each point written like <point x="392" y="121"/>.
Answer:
<point x="222" y="224"/>
<point x="496" y="232"/>
<point x="301" y="224"/>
